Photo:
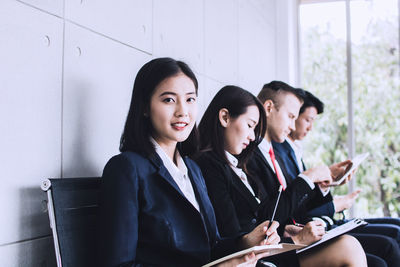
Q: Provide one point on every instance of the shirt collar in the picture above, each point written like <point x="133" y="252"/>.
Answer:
<point x="179" y="168"/>
<point x="296" y="145"/>
<point x="264" y="145"/>
<point x="291" y="143"/>
<point x="232" y="159"/>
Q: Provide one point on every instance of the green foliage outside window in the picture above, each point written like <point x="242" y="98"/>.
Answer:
<point x="376" y="90"/>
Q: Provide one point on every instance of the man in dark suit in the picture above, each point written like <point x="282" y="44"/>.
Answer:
<point x="290" y="151"/>
<point x="282" y="104"/>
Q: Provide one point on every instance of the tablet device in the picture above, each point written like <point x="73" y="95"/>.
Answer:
<point x="356" y="161"/>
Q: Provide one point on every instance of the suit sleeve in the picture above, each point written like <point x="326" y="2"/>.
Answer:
<point x="289" y="202"/>
<point x="319" y="206"/>
<point x="119" y="213"/>
<point x="327" y="209"/>
<point x="218" y="187"/>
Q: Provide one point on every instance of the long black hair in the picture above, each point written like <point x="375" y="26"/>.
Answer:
<point x="236" y="100"/>
<point x="138" y="128"/>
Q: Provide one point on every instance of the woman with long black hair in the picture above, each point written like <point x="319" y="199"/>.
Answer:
<point x="155" y="210"/>
<point x="231" y="128"/>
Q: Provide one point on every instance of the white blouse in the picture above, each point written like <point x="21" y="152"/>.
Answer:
<point x="178" y="172"/>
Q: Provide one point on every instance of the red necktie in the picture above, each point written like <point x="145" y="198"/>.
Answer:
<point x="272" y="155"/>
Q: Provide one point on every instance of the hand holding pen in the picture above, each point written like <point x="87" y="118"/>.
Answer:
<point x="310" y="233"/>
<point x="266" y="232"/>
<point x="271" y="233"/>
<point x="257" y="236"/>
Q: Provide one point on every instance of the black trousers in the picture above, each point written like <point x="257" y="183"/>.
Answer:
<point x="382" y="226"/>
<point x="380" y="246"/>
<point x="381" y="251"/>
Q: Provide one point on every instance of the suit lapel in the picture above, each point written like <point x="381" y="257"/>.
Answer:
<point x="242" y="189"/>
<point x="166" y="176"/>
<point x="200" y="190"/>
<point x="208" y="218"/>
<point x="260" y="154"/>
<point x="283" y="169"/>
<point x="291" y="155"/>
<point x="268" y="175"/>
<point x="237" y="183"/>
<point x="199" y="187"/>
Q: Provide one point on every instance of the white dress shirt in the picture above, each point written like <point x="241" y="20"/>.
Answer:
<point x="233" y="162"/>
<point x="264" y="146"/>
<point x="178" y="172"/>
<point x="297" y="147"/>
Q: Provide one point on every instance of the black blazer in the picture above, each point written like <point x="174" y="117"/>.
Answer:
<point x="319" y="205"/>
<point x="235" y="207"/>
<point x="296" y="194"/>
<point x="146" y="219"/>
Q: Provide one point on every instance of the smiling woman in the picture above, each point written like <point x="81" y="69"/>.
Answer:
<point x="155" y="210"/>
<point x="173" y="111"/>
<point x="165" y="75"/>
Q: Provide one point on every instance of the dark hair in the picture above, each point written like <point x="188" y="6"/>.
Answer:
<point x="236" y="100"/>
<point x="311" y="100"/>
<point x="138" y="128"/>
<point x="274" y="89"/>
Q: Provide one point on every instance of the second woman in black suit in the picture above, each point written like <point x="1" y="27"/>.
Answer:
<point x="228" y="130"/>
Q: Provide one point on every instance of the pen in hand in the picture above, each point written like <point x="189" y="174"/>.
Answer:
<point x="273" y="213"/>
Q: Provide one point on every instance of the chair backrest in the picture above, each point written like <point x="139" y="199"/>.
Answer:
<point x="73" y="207"/>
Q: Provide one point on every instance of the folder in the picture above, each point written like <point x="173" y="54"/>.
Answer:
<point x="340" y="230"/>
<point x="271" y="249"/>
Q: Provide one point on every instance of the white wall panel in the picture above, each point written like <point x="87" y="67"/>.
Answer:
<point x="221" y="40"/>
<point x="265" y="9"/>
<point x="179" y="31"/>
<point x="30" y="114"/>
<point x="98" y="81"/>
<point x="256" y="49"/>
<point x="206" y="93"/>
<point x="52" y="6"/>
<point x="64" y="97"/>
<point x="33" y="253"/>
<point x="128" y="21"/>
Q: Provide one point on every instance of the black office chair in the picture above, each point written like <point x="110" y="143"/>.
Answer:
<point x="73" y="207"/>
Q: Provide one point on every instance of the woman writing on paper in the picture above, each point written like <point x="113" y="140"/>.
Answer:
<point x="230" y="126"/>
<point x="154" y="208"/>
